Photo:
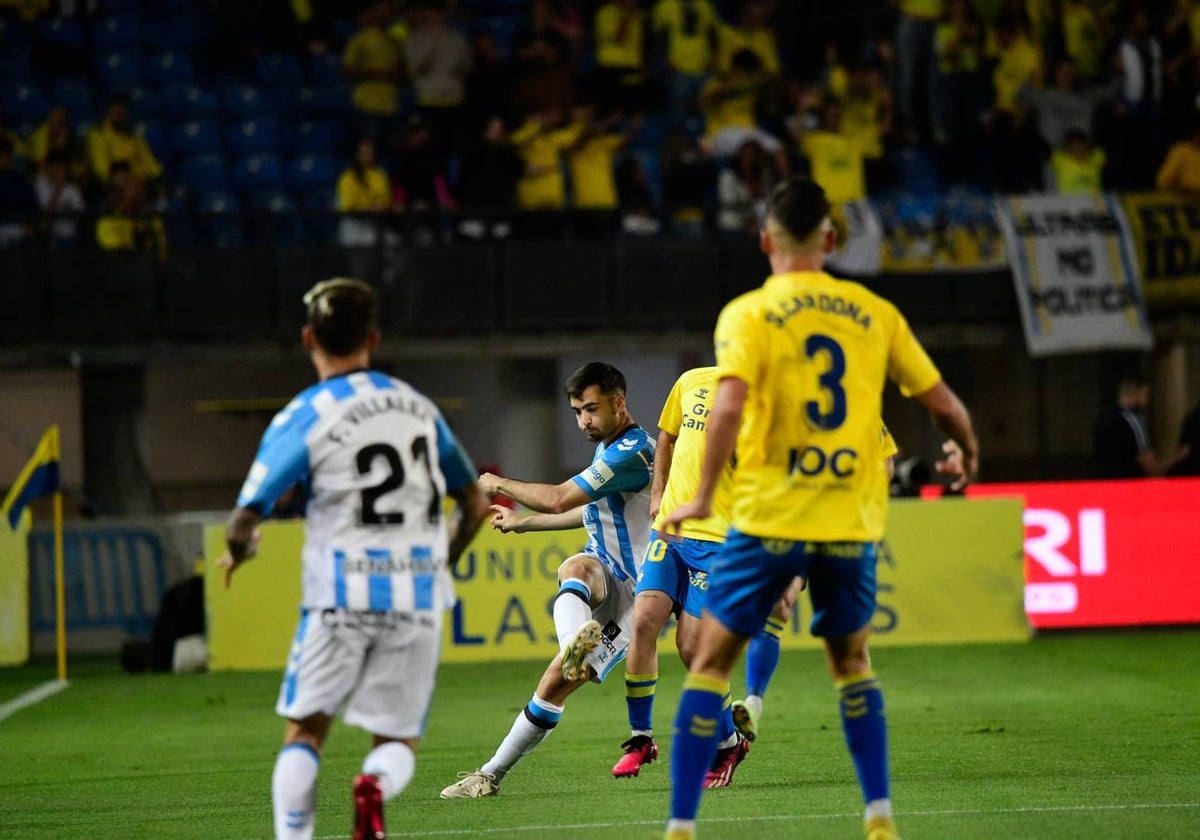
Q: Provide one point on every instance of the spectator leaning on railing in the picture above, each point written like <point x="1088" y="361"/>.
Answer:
<point x="128" y="223"/>
<point x="364" y="193"/>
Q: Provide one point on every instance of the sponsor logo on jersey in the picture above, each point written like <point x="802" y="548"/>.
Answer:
<point x="598" y="474"/>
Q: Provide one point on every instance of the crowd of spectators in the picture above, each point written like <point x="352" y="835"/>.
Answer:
<point x="648" y="115"/>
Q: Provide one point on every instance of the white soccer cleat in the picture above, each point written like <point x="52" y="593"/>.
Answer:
<point x="474" y="785"/>
<point x="575" y="654"/>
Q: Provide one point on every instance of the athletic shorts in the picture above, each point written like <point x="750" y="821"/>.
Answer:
<point x="615" y="614"/>
<point x="678" y="567"/>
<point x="377" y="668"/>
<point x="751" y="573"/>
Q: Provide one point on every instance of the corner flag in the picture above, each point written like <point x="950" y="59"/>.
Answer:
<point x="38" y="478"/>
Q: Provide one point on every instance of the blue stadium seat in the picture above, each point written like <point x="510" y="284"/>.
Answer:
<point x="245" y="102"/>
<point x="146" y="104"/>
<point x="65" y="32"/>
<point x="279" y="69"/>
<point x="917" y="171"/>
<point x="14" y="34"/>
<point x="328" y="101"/>
<point x="217" y="222"/>
<point x="177" y="33"/>
<point x="23" y="103"/>
<point x="316" y="137"/>
<point x="120" y="69"/>
<point x="252" y="136"/>
<point x="279" y="223"/>
<point x="119" y="32"/>
<point x="78" y="98"/>
<point x="259" y="170"/>
<point x="309" y="172"/>
<point x="171" y="67"/>
<point x="197" y="137"/>
<point x="15" y="63"/>
<point x="325" y="69"/>
<point x="192" y="102"/>
<point x="155" y="134"/>
<point x="204" y="172"/>
<point x="320" y="215"/>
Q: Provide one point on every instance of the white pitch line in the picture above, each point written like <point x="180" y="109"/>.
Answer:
<point x="32" y="697"/>
<point x="949" y="812"/>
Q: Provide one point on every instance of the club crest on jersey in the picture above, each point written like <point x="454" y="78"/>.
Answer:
<point x="598" y="474"/>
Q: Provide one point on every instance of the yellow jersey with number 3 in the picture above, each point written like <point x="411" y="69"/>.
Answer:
<point x="815" y="352"/>
<point x="685" y="415"/>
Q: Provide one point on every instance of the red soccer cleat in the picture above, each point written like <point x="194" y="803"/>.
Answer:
<point x="368" y="808"/>
<point x="725" y="763"/>
<point x="639" y="750"/>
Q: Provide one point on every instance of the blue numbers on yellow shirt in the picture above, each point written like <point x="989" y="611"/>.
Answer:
<point x="831" y="381"/>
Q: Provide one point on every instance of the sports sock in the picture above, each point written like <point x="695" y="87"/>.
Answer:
<point x="536" y="721"/>
<point x="294" y="791"/>
<point x="639" y="699"/>
<point x="393" y="763"/>
<point x="695" y="741"/>
<point x="754" y="704"/>
<point x="572" y="608"/>
<point x="762" y="657"/>
<point x="863" y="722"/>
<point x="726" y="732"/>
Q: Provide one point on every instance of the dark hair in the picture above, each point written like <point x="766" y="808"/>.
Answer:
<point x="799" y="205"/>
<point x="746" y="60"/>
<point x="342" y="314"/>
<point x="610" y="380"/>
<point x="1074" y="135"/>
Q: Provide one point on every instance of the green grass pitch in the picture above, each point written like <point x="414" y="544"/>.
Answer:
<point x="1083" y="736"/>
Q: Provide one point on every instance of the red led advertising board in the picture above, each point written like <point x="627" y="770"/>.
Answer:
<point x="1109" y="553"/>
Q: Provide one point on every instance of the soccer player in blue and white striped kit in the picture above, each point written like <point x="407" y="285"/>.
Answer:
<point x="593" y="611"/>
<point x="377" y="460"/>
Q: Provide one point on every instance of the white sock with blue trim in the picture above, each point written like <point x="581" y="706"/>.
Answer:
<point x="294" y="791"/>
<point x="393" y="763"/>
<point x="572" y="609"/>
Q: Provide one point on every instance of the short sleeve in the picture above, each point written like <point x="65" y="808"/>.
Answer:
<point x="735" y="343"/>
<point x="671" y="418"/>
<point x="909" y="366"/>
<point x="282" y="460"/>
<point x="624" y="467"/>
<point x="887" y="442"/>
<point x="453" y="460"/>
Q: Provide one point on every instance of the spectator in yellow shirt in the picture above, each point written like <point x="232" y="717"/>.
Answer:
<point x="374" y="62"/>
<point x="619" y="33"/>
<point x="113" y="141"/>
<point x="835" y="160"/>
<point x="730" y="103"/>
<point x="1018" y="63"/>
<point x="1086" y="37"/>
<point x="1078" y="167"/>
<point x="752" y="32"/>
<point x="591" y="159"/>
<point x="364" y="193"/>
<point x="128" y="224"/>
<point x="1180" y="172"/>
<point x="58" y="136"/>
<point x="916" y="64"/>
<point x="540" y="142"/>
<point x="689" y="28"/>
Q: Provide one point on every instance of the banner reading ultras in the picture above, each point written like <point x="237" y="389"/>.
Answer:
<point x="1166" y="231"/>
<point x="1074" y="272"/>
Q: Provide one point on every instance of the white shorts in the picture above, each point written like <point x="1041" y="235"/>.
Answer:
<point x="378" y="669"/>
<point x="615" y="615"/>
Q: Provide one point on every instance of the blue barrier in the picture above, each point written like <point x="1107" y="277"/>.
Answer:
<point x="114" y="578"/>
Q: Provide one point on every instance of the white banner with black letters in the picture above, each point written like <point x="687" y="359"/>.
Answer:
<point x="860" y="240"/>
<point x="1075" y="272"/>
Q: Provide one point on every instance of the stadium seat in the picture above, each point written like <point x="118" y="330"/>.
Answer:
<point x="206" y="172"/>
<point x="252" y="136"/>
<point x="23" y="103"/>
<point x="245" y="102"/>
<point x="325" y="69"/>
<point x="315" y="137"/>
<point x="278" y="221"/>
<point x="64" y="32"/>
<point x="320" y="215"/>
<point x="311" y="171"/>
<point x="279" y="69"/>
<point x="192" y="102"/>
<point x="120" y="69"/>
<point x="197" y="137"/>
<point x="15" y="63"/>
<point x="146" y="104"/>
<point x="917" y="171"/>
<point x="171" y="68"/>
<point x="328" y="101"/>
<point x="257" y="171"/>
<point x="119" y="32"/>
<point x="155" y="134"/>
<point x="177" y="33"/>
<point x="218" y="222"/>
<point x="79" y="100"/>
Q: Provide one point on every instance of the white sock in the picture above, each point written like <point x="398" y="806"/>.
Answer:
<point x="681" y="825"/>
<point x="393" y="763"/>
<point x="570" y="611"/>
<point x="524" y="736"/>
<point x="728" y="742"/>
<point x="294" y="792"/>
<point x="878" y="808"/>
<point x="754" y="704"/>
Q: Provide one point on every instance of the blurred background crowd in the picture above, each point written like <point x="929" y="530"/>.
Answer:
<point x="131" y="123"/>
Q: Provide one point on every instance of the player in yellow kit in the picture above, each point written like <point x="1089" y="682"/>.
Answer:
<point x="802" y="362"/>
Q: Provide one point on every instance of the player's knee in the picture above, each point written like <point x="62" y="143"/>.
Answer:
<point x="580" y="568"/>
<point x="687" y="649"/>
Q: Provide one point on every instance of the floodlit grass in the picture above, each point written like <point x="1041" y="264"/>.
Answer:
<point x="1082" y="736"/>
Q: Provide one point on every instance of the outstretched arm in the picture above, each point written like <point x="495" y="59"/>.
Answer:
<point x="543" y="498"/>
<point x="950" y="417"/>
<point x="508" y="521"/>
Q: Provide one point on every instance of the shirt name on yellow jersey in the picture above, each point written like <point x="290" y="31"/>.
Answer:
<point x="832" y="304"/>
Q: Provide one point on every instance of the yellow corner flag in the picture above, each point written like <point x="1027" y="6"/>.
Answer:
<point x="38" y="478"/>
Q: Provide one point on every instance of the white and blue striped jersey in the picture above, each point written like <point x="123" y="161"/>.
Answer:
<point x="377" y="459"/>
<point x="618" y="517"/>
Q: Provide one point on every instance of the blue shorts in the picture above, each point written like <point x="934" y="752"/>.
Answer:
<point x="751" y="573"/>
<point x="679" y="567"/>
